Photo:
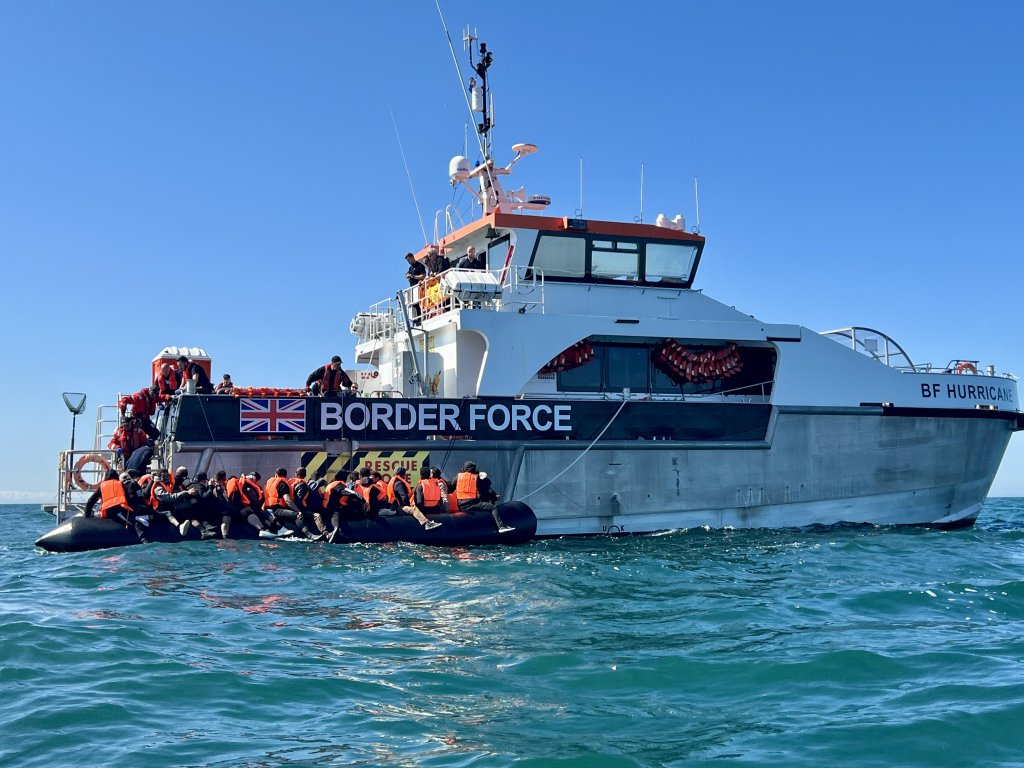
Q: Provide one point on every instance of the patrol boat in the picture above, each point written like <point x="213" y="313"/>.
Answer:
<point x="583" y="369"/>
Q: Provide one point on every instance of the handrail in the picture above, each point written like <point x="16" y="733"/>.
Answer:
<point x="861" y="344"/>
<point x="76" y="476"/>
<point x="522" y="290"/>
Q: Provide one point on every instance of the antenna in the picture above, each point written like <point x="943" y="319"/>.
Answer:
<point x="485" y="62"/>
<point x="696" y="200"/>
<point x="408" y="175"/>
<point x="640" y="220"/>
<point x="579" y="211"/>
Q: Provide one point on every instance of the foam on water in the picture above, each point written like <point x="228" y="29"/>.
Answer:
<point x="847" y="646"/>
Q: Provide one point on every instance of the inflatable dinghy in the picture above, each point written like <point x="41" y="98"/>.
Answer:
<point x="81" y="534"/>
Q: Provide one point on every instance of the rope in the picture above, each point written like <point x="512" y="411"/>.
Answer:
<point x="576" y="460"/>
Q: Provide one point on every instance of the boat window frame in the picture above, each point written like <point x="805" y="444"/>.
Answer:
<point x="641" y="242"/>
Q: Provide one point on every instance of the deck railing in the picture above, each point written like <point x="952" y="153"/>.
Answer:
<point x="521" y="289"/>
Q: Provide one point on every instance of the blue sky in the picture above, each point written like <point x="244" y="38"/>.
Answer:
<point x="226" y="175"/>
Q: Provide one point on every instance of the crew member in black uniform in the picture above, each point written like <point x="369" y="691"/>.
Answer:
<point x="329" y="380"/>
<point x="191" y="370"/>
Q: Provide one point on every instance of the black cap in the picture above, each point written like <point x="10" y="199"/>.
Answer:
<point x="469" y="465"/>
<point x="336" y="359"/>
<point x="182" y="359"/>
<point x="400" y="471"/>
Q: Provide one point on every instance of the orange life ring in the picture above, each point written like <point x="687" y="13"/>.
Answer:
<point x="89" y="458"/>
<point x="966" y="366"/>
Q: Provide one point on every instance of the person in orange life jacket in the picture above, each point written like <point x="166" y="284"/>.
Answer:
<point x="342" y="503"/>
<point x="126" y="438"/>
<point x="447" y="489"/>
<point x="167" y="381"/>
<point x="225" y="386"/>
<point x="305" y="502"/>
<point x="400" y="496"/>
<point x="246" y="498"/>
<point x="468" y="492"/>
<point x="378" y="480"/>
<point x="372" y="496"/>
<point x="190" y="370"/>
<point x="143" y="404"/>
<point x="431" y="496"/>
<point x="329" y="380"/>
<point x="161" y="497"/>
<point x="278" y="501"/>
<point x="112" y="497"/>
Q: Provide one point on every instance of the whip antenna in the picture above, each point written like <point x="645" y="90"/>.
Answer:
<point x="640" y="219"/>
<point x="579" y="212"/>
<point x="408" y="175"/>
<point x="465" y="93"/>
<point x="696" y="200"/>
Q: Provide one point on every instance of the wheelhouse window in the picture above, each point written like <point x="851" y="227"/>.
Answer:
<point x="669" y="262"/>
<point x="587" y="258"/>
<point x="561" y="256"/>
<point x="615" y="261"/>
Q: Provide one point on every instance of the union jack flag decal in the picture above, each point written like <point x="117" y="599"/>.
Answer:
<point x="263" y="414"/>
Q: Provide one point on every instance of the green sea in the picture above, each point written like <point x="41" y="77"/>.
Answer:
<point x="846" y="646"/>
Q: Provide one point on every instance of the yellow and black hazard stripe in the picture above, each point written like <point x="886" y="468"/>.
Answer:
<point x="385" y="462"/>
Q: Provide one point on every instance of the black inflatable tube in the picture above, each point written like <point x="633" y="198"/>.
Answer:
<point x="82" y="534"/>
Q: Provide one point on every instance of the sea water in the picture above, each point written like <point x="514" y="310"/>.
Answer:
<point x="848" y="646"/>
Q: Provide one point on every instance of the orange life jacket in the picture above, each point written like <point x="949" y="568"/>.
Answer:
<point x="365" y="491"/>
<point x="231" y="488"/>
<point x="431" y="493"/>
<point x="331" y="381"/>
<point x="294" y="481"/>
<point x="341" y="499"/>
<point x="465" y="487"/>
<point x="167" y="384"/>
<point x="271" y="496"/>
<point x="392" y="498"/>
<point x="249" y="491"/>
<point x="113" y="495"/>
<point x="154" y="502"/>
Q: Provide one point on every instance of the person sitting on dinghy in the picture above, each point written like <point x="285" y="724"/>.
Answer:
<point x="342" y="503"/>
<point x="468" y="492"/>
<point x="400" y="498"/>
<point x="304" y="503"/>
<point x="278" y="501"/>
<point x="431" y="496"/>
<point x="162" y="498"/>
<point x="246" y="498"/>
<point x="370" y="491"/>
